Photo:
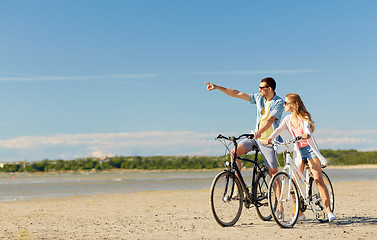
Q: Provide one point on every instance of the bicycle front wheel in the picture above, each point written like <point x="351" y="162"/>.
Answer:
<point x="226" y="199"/>
<point x="260" y="192"/>
<point x="283" y="200"/>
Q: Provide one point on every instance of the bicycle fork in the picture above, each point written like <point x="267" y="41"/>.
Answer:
<point x="228" y="197"/>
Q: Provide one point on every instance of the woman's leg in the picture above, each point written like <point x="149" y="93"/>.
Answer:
<point x="315" y="166"/>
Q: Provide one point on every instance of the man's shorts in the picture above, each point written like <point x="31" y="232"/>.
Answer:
<point x="268" y="153"/>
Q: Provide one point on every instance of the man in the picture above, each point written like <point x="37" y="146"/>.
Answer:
<point x="269" y="112"/>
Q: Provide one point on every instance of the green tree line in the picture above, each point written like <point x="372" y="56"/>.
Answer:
<point x="335" y="158"/>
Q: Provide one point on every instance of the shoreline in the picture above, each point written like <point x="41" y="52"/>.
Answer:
<point x="150" y="191"/>
<point x="360" y="166"/>
<point x="29" y="186"/>
<point x="105" y="195"/>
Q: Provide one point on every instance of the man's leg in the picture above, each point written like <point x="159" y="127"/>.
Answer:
<point x="240" y="150"/>
<point x="271" y="162"/>
<point x="272" y="171"/>
<point x="245" y="146"/>
<point x="270" y="158"/>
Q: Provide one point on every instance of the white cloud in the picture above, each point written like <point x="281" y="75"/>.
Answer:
<point x="337" y="133"/>
<point x="69" y="146"/>
<point x="108" y="144"/>
<point x="259" y="72"/>
<point x="100" y="154"/>
<point x="347" y="139"/>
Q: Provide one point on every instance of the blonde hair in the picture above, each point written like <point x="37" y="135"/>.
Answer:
<point x="300" y="109"/>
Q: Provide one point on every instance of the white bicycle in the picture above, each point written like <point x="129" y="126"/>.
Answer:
<point x="291" y="191"/>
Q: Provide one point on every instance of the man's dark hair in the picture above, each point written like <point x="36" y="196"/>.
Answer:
<point x="270" y="82"/>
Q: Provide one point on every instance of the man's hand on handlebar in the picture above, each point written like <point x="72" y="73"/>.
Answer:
<point x="267" y="141"/>
<point x="257" y="135"/>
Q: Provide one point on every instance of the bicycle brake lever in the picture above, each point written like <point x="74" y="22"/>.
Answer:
<point x="249" y="136"/>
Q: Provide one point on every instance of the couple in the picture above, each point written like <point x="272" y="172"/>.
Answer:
<point x="269" y="112"/>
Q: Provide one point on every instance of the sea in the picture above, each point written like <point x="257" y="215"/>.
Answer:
<point x="25" y="186"/>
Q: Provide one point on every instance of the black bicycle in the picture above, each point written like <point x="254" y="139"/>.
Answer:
<point x="229" y="191"/>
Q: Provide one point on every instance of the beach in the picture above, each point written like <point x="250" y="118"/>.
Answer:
<point x="178" y="214"/>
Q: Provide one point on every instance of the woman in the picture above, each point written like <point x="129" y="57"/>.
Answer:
<point x="300" y="123"/>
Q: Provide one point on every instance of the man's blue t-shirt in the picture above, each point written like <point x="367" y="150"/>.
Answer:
<point x="276" y="109"/>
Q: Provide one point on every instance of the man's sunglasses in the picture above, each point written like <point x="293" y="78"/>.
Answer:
<point x="264" y="87"/>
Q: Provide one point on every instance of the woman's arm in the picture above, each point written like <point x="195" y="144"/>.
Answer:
<point x="282" y="127"/>
<point x="306" y="128"/>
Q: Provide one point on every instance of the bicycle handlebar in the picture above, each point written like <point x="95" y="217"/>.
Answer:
<point x="233" y="138"/>
<point x="293" y="140"/>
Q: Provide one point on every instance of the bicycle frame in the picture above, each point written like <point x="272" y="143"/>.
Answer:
<point x="235" y="169"/>
<point x="299" y="178"/>
<point x="296" y="173"/>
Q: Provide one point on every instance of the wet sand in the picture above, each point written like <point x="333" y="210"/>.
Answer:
<point x="181" y="214"/>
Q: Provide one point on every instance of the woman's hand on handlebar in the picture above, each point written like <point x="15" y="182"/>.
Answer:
<point x="306" y="136"/>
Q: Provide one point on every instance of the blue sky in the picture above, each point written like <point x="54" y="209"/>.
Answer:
<point x="103" y="78"/>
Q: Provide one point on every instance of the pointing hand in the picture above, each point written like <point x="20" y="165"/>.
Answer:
<point x="210" y="86"/>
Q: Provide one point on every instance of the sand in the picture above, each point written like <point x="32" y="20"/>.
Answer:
<point x="178" y="215"/>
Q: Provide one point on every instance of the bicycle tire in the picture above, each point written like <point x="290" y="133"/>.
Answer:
<point x="328" y="184"/>
<point x="290" y="200"/>
<point x="226" y="207"/>
<point x="260" y="193"/>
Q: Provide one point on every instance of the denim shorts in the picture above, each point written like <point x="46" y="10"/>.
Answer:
<point x="307" y="153"/>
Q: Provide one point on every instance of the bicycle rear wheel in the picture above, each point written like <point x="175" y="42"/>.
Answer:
<point x="329" y="187"/>
<point x="260" y="192"/>
<point x="283" y="200"/>
<point x="226" y="199"/>
<point x="318" y="203"/>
